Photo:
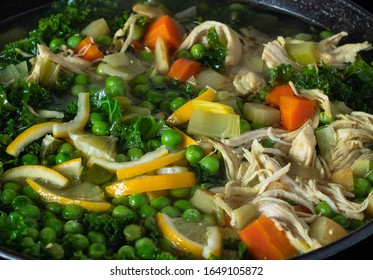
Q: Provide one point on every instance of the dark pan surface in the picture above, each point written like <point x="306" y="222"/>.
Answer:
<point x="355" y="17"/>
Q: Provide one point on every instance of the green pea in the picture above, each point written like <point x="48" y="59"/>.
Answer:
<point x="153" y="144"/>
<point x="20" y="201"/>
<point x="324" y="209"/>
<point x="244" y="126"/>
<point x="30" y="193"/>
<point x="12" y="186"/>
<point x="355" y="224"/>
<point x="73" y="227"/>
<point x="47" y="235"/>
<point x="29" y="159"/>
<point x="145" y="248"/>
<point x="78" y="241"/>
<point x="133" y="232"/>
<point x="177" y="103"/>
<point x="50" y="159"/>
<point x="154" y="97"/>
<point x="361" y="187"/>
<point x="184" y="54"/>
<point x="56" y="44"/>
<point x="325" y="34"/>
<point x="120" y="200"/>
<point x="81" y="79"/>
<point x="157" y="79"/>
<point x="97" y="251"/>
<point x="73" y="41"/>
<point x="139" y="80"/>
<point x="140" y="91"/>
<point x="53" y="207"/>
<point x="171" y="138"/>
<point x="165" y="244"/>
<point x="325" y="119"/>
<point x="183" y="204"/>
<point x="179" y="192"/>
<point x="194" y="154"/>
<point x="171" y="211"/>
<point x="121" y="158"/>
<point x="7" y="196"/>
<point x="150" y="223"/>
<point x="148" y="105"/>
<point x="123" y="212"/>
<point x="255" y="126"/>
<point x="146" y="55"/>
<point x="268" y="143"/>
<point x="147" y="211"/>
<point x="165" y="106"/>
<point x="160" y="202"/>
<point x="76" y="89"/>
<point x="33" y="233"/>
<point x="100" y="70"/>
<point x="262" y="94"/>
<point x="342" y="220"/>
<point x="192" y="215"/>
<point x="115" y="85"/>
<point x="96" y="237"/>
<point x="198" y="51"/>
<point x="172" y="94"/>
<point x="209" y="219"/>
<point x="126" y="252"/>
<point x="54" y="251"/>
<point x="137" y="200"/>
<point x="135" y="153"/>
<point x="104" y="40"/>
<point x="27" y="242"/>
<point x="71" y="212"/>
<point x="63" y="157"/>
<point x="55" y="224"/>
<point x="93" y="117"/>
<point x="101" y="128"/>
<point x="65" y="148"/>
<point x="210" y="164"/>
<point x="30" y="212"/>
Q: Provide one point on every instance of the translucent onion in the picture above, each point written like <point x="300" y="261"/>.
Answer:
<point x="211" y="78"/>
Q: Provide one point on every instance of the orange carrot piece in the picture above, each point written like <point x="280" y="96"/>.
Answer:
<point x="165" y="28"/>
<point x="295" y="111"/>
<point x="273" y="97"/>
<point x="265" y="241"/>
<point x="88" y="49"/>
<point x="183" y="68"/>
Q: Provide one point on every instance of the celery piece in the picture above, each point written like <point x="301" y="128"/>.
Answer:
<point x="49" y="72"/>
<point x="96" y="28"/>
<point x="262" y="114"/>
<point x="303" y="53"/>
<point x="326" y="140"/>
<point x="361" y="167"/>
<point x="213" y="124"/>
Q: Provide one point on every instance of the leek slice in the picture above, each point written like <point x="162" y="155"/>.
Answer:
<point x="213" y="124"/>
<point x="326" y="138"/>
<point x="303" y="52"/>
<point x="96" y="29"/>
<point x="262" y="114"/>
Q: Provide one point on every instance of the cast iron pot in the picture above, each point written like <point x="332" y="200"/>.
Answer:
<point x="337" y="15"/>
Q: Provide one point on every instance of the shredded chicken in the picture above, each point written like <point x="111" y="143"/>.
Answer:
<point x="303" y="148"/>
<point x="234" y="46"/>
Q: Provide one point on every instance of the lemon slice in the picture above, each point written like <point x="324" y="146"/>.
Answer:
<point x="28" y="136"/>
<point x="72" y="168"/>
<point x="195" y="238"/>
<point x="39" y="172"/>
<point x="98" y="206"/>
<point x="61" y="130"/>
<point x="103" y="147"/>
<point x="114" y="166"/>
<point x="49" y="145"/>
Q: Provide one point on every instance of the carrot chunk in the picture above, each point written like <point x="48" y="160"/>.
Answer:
<point x="165" y="28"/>
<point x="182" y="69"/>
<point x="88" y="49"/>
<point x="273" y="97"/>
<point x="265" y="241"/>
<point x="295" y="111"/>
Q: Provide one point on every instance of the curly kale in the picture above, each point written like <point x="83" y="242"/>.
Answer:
<point x="353" y="85"/>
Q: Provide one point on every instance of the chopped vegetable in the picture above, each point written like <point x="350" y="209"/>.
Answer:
<point x="165" y="28"/>
<point x="295" y="111"/>
<point x="302" y="52"/>
<point x="265" y="241"/>
<point x="325" y="230"/>
<point x="261" y="114"/>
<point x="88" y="49"/>
<point x="183" y="68"/>
<point x="273" y="97"/>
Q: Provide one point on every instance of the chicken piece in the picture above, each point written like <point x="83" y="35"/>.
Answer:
<point x="248" y="81"/>
<point x="149" y="11"/>
<point x="328" y="53"/>
<point x="225" y="33"/>
<point x="118" y="43"/>
<point x="303" y="149"/>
